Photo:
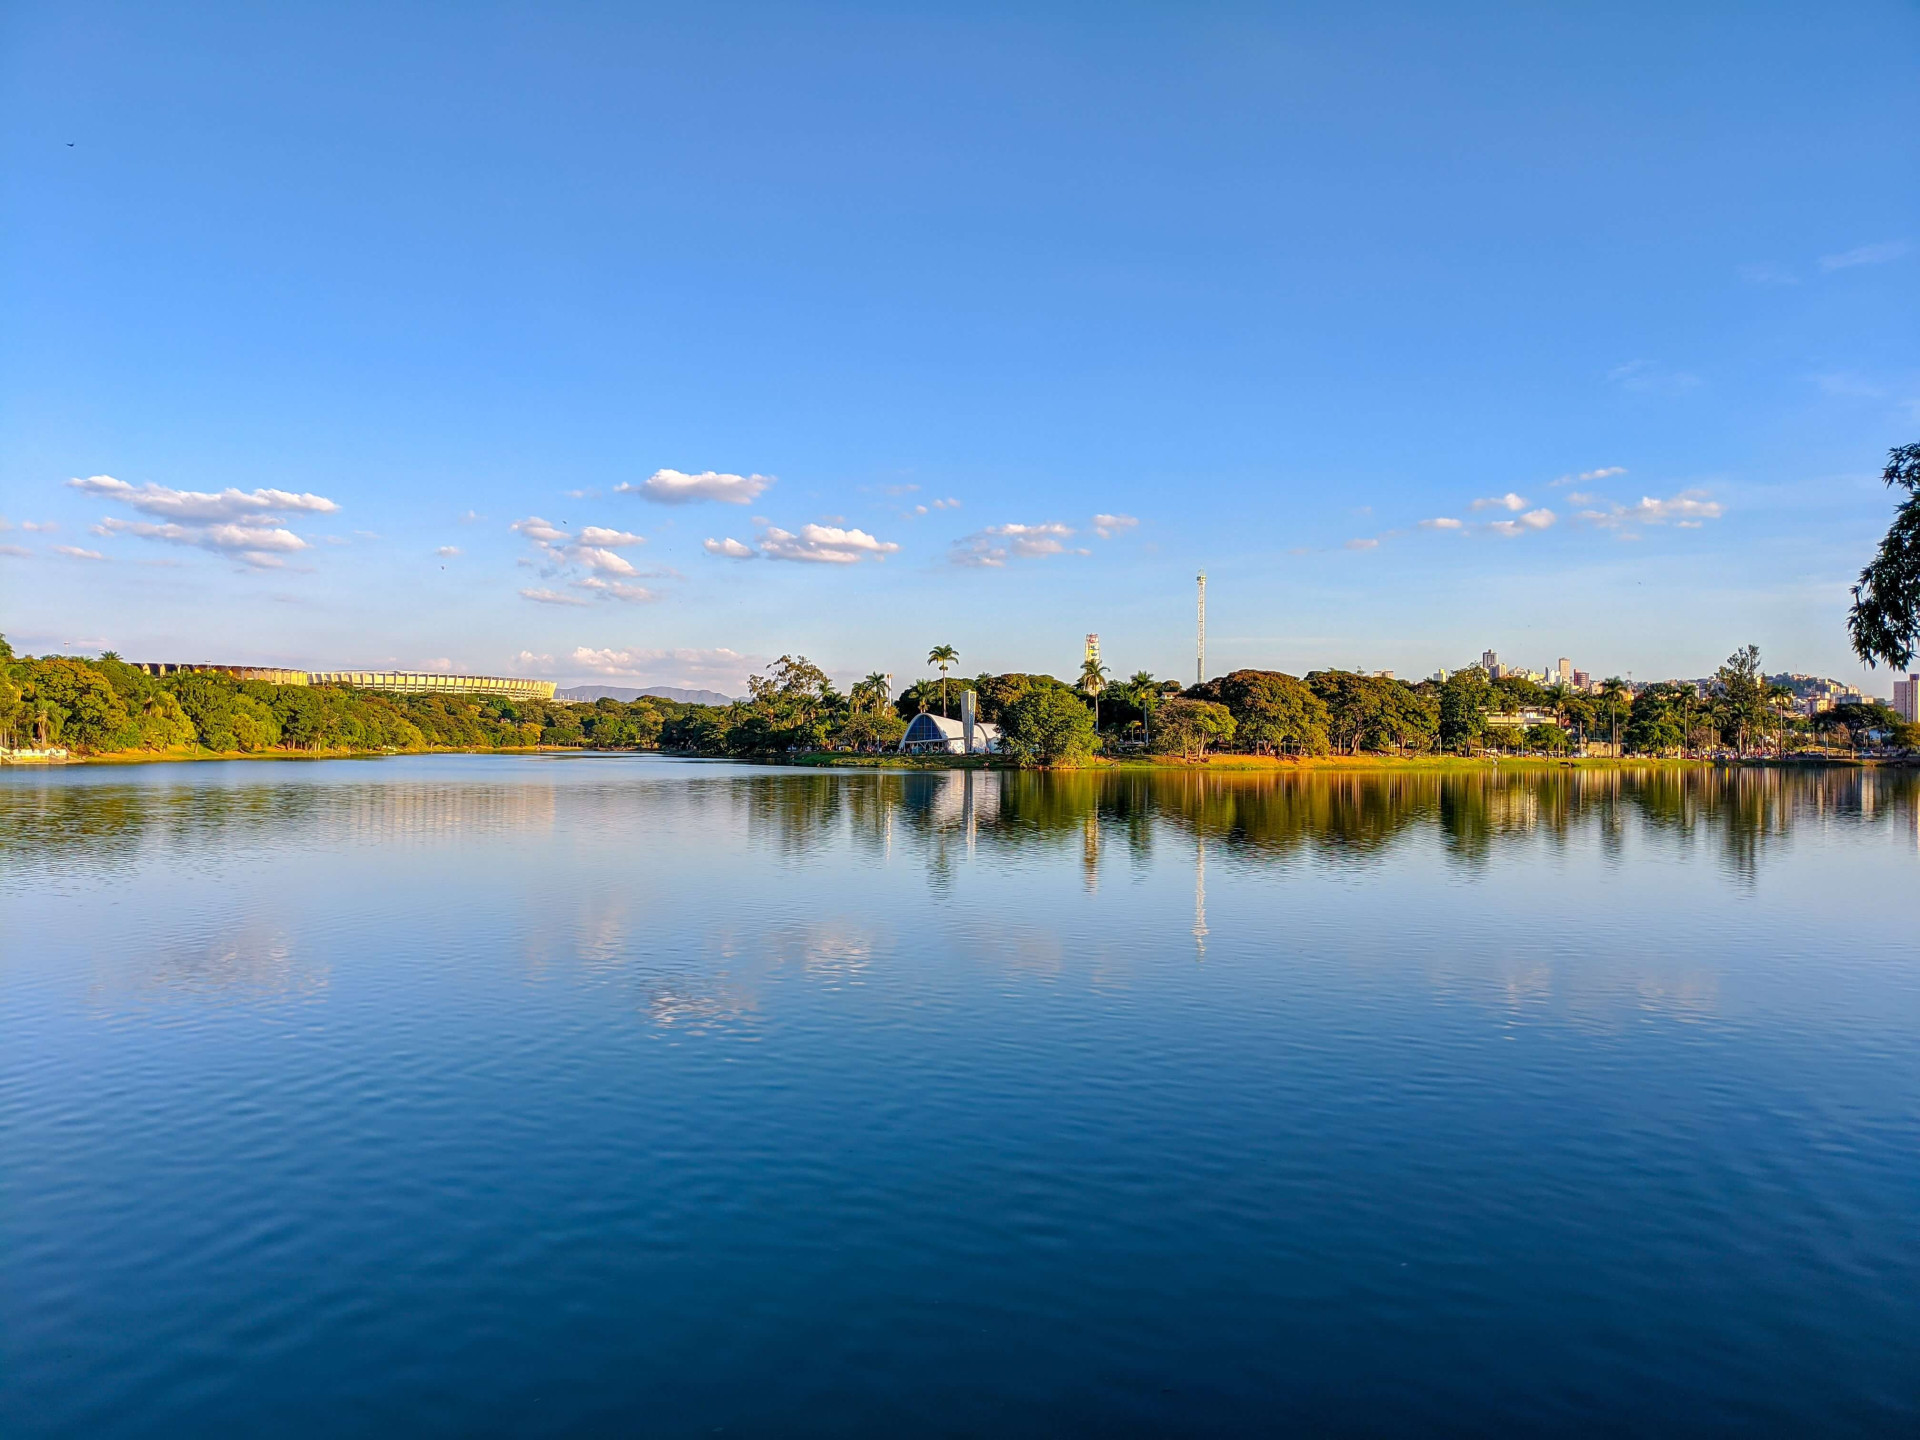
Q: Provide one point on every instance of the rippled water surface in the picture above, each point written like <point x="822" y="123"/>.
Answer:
<point x="483" y="1095"/>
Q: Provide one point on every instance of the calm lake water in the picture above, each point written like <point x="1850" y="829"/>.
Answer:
<point x="520" y="1096"/>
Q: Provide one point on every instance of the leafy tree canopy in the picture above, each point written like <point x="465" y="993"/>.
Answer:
<point x="1270" y="710"/>
<point x="1186" y="726"/>
<point x="1885" y="619"/>
<point x="1048" y="725"/>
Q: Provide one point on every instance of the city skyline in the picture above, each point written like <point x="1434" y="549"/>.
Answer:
<point x="1421" y="336"/>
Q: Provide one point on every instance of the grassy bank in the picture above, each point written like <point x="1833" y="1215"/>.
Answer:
<point x="843" y="760"/>
<point x="181" y="753"/>
<point x="1267" y="764"/>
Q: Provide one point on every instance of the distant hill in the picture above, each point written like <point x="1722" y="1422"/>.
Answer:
<point x="658" y="692"/>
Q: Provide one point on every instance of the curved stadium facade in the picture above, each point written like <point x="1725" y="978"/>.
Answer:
<point x="403" y="682"/>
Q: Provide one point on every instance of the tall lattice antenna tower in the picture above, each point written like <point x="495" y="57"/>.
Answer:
<point x="1200" y="657"/>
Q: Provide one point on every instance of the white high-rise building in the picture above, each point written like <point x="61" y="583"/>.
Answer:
<point x="1906" y="699"/>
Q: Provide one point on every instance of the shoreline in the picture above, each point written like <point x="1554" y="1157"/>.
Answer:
<point x="1210" y="764"/>
<point x="1339" y="764"/>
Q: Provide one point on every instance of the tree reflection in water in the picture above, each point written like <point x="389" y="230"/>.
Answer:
<point x="1351" y="818"/>
<point x="944" y="818"/>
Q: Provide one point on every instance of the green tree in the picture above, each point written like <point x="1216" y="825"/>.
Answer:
<point x="917" y="699"/>
<point x="1884" y="622"/>
<point x="1271" y="711"/>
<point x="1143" y="692"/>
<point x="1465" y="698"/>
<point x="871" y="694"/>
<point x="1048" y="726"/>
<point x="1550" y="739"/>
<point x="1093" y="679"/>
<point x="1744" y="701"/>
<point x="1658" y="722"/>
<point x="1187" y="726"/>
<point x="870" y="730"/>
<point x="702" y="730"/>
<point x="1373" y="712"/>
<point x="792" y="707"/>
<point x="1616" y="701"/>
<point x="944" y="656"/>
<point x="9" y="707"/>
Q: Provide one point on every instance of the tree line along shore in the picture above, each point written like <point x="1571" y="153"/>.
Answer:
<point x="106" y="709"/>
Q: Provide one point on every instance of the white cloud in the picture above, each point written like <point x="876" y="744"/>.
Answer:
<point x="947" y="504"/>
<point x="729" y="547"/>
<point x="668" y="667"/>
<point x="448" y="551"/>
<point x="616" y="590"/>
<point x="1878" y="254"/>
<point x="581" y="560"/>
<point x="992" y="547"/>
<point x="1508" y="501"/>
<point x="527" y="660"/>
<point x="824" y="544"/>
<point x="676" y="487"/>
<point x="43" y="527"/>
<point x="1108" y="526"/>
<point x="443" y="665"/>
<point x="1363" y="543"/>
<point x="1605" y="473"/>
<point x="1533" y="520"/>
<point x="601" y="562"/>
<point x="244" y="525"/>
<point x="541" y="532"/>
<point x="257" y="545"/>
<point x="200" y="506"/>
<point x="1441" y="522"/>
<point x="1687" y="509"/>
<point x="76" y="553"/>
<point x="20" y="550"/>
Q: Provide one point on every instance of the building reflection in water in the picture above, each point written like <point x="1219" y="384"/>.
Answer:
<point x="1199" y="897"/>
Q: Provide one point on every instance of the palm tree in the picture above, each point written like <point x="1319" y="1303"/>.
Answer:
<point x="872" y="691"/>
<point x="1093" y="679"/>
<point x="1143" y="690"/>
<point x="943" y="656"/>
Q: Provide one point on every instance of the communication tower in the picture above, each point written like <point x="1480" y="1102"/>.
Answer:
<point x="1200" y="657"/>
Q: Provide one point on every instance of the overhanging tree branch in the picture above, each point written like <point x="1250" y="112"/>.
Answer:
<point x="1885" y="619"/>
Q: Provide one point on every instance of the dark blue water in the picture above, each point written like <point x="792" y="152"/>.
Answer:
<point x="625" y="1095"/>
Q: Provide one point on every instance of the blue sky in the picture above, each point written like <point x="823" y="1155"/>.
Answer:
<point x="1265" y="287"/>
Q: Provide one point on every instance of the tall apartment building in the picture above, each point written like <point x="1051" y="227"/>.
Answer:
<point x="1906" y="699"/>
